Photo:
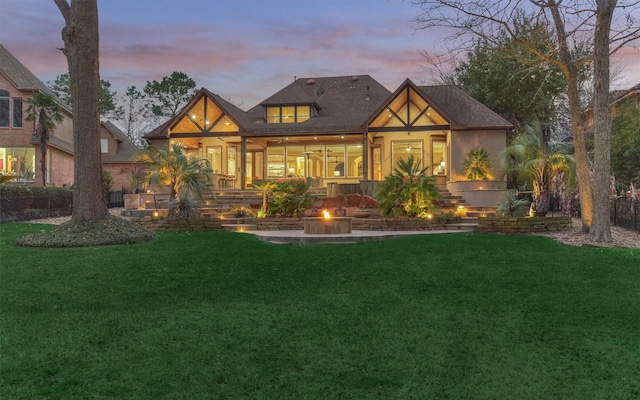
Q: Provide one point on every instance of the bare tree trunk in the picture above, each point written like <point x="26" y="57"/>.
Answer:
<point x="570" y="70"/>
<point x="601" y="231"/>
<point x="81" y="40"/>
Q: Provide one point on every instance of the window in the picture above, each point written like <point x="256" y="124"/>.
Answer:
<point x="303" y="113"/>
<point x="315" y="158"/>
<point x="438" y="156"/>
<point x="404" y="149"/>
<point x="273" y="115"/>
<point x="354" y="160"/>
<point x="19" y="162"/>
<point x="335" y="161"/>
<point x="288" y="114"/>
<point x="104" y="146"/>
<point x="231" y="161"/>
<point x="4" y="109"/>
<point x="275" y="162"/>
<point x="17" y="112"/>
<point x="214" y="155"/>
<point x="295" y="162"/>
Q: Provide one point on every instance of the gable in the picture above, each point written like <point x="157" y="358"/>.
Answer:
<point x="408" y="109"/>
<point x="203" y="116"/>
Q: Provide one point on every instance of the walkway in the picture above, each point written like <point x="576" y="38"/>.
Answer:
<point x="299" y="237"/>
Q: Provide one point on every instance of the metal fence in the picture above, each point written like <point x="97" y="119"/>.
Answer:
<point x="625" y="214"/>
<point x="25" y="208"/>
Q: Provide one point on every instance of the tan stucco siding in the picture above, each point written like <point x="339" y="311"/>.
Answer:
<point x="493" y="141"/>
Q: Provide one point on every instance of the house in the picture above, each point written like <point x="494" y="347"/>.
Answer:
<point x="20" y="151"/>
<point x="339" y="130"/>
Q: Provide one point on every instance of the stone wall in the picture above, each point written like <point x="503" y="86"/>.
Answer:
<point x="516" y="226"/>
<point x="180" y="224"/>
<point x="287" y="224"/>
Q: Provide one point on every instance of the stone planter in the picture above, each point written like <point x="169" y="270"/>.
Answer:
<point x="131" y="201"/>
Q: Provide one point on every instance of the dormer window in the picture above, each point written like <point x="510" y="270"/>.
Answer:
<point x="288" y="114"/>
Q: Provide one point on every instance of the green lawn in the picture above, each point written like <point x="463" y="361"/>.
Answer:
<point x="217" y="315"/>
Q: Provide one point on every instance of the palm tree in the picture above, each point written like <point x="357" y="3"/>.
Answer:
<point x="44" y="109"/>
<point x="183" y="174"/>
<point x="477" y="165"/>
<point x="532" y="160"/>
<point x="408" y="190"/>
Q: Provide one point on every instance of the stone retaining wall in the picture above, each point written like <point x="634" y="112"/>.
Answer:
<point x="283" y="224"/>
<point x="516" y="226"/>
<point x="180" y="224"/>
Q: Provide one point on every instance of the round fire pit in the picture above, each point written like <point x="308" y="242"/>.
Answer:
<point x="333" y="225"/>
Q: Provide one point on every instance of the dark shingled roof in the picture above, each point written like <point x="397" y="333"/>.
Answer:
<point x="344" y="104"/>
<point x="22" y="78"/>
<point x="461" y="110"/>
<point x="126" y="150"/>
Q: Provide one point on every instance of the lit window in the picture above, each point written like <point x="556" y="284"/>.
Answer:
<point x="273" y="115"/>
<point x="303" y="113"/>
<point x="288" y="115"/>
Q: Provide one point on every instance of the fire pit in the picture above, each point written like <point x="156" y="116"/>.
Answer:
<point x="327" y="224"/>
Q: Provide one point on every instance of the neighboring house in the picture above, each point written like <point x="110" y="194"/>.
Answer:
<point x="616" y="99"/>
<point x="118" y="155"/>
<point x="336" y="130"/>
<point x="20" y="151"/>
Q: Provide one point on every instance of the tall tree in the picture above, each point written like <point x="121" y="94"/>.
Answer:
<point x="134" y="111"/>
<point x="81" y="43"/>
<point x="62" y="88"/>
<point x="574" y="24"/>
<point x="507" y="79"/>
<point x="43" y="109"/>
<point x="602" y="116"/>
<point x="170" y="94"/>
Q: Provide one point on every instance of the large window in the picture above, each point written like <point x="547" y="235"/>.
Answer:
<point x="315" y="157"/>
<point x="438" y="156"/>
<point x="295" y="162"/>
<point x="354" y="160"/>
<point x="406" y="148"/>
<point x="275" y="162"/>
<point x="231" y="161"/>
<point x="214" y="155"/>
<point x="335" y="161"/>
<point x="288" y="114"/>
<point x="19" y="162"/>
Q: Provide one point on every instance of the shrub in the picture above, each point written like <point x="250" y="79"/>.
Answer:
<point x="290" y="198"/>
<point x="185" y="206"/>
<point x="477" y="165"/>
<point x="14" y="199"/>
<point x="408" y="191"/>
<point x="511" y="206"/>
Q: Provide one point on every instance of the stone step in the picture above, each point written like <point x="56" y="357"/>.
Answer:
<point x="461" y="227"/>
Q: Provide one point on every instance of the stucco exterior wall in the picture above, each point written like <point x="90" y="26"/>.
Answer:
<point x="493" y="141"/>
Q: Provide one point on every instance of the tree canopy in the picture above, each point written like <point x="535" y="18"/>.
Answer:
<point x="62" y="88"/>
<point x="170" y="94"/>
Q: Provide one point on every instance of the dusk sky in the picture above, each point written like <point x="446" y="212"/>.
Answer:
<point x="244" y="50"/>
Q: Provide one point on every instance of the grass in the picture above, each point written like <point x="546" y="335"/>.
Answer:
<point x="219" y="315"/>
